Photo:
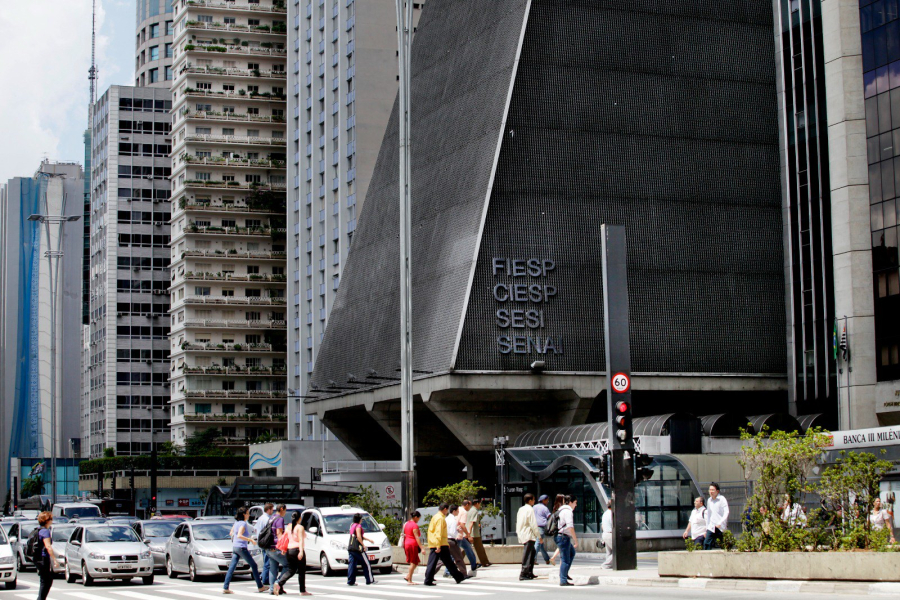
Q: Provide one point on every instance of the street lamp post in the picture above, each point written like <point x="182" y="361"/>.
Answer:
<point x="53" y="273"/>
<point x="404" y="43"/>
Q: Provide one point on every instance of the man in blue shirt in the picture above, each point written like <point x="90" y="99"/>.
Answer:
<point x="261" y="523"/>
<point x="542" y="513"/>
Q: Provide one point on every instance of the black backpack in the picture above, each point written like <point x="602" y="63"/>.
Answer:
<point x="34" y="549"/>
<point x="552" y="526"/>
<point x="266" y="538"/>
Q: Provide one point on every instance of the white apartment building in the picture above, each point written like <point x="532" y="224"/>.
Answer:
<point x="228" y="280"/>
<point x="343" y="82"/>
<point x="126" y="402"/>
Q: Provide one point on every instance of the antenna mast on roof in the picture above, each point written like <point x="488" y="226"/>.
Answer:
<point x="92" y="72"/>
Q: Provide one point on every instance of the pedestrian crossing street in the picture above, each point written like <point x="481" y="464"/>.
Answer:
<point x="391" y="587"/>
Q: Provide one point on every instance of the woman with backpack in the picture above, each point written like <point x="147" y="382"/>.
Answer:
<point x="293" y="544"/>
<point x="42" y="554"/>
<point x="240" y="538"/>
<point x="357" y="551"/>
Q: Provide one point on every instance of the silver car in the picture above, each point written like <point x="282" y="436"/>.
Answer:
<point x="107" y="552"/>
<point x="59" y="539"/>
<point x="157" y="532"/>
<point x="17" y="532"/>
<point x="203" y="548"/>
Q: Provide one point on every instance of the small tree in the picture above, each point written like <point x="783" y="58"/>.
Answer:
<point x="453" y="494"/>
<point x="109" y="453"/>
<point x="203" y="443"/>
<point x="849" y="489"/>
<point x="370" y="501"/>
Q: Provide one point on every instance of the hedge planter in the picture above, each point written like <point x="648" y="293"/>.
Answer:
<point x="818" y="566"/>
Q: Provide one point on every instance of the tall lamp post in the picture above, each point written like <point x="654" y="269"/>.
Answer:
<point x="51" y="254"/>
<point x="404" y="43"/>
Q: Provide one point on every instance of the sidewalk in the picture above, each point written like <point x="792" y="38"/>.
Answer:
<point x="587" y="571"/>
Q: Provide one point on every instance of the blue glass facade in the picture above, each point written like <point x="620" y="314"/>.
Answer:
<point x="880" y="27"/>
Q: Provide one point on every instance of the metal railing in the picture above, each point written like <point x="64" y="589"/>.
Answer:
<point x="214" y="115"/>
<point x="235" y="6"/>
<point x="360" y="466"/>
<point x="236" y="394"/>
<point x="235" y="324"/>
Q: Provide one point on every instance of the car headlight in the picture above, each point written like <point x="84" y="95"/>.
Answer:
<point x="204" y="553"/>
<point x="97" y="556"/>
<point x="255" y="551"/>
<point x="6" y="560"/>
<point x="146" y="554"/>
<point x="159" y="548"/>
<point x="338" y="545"/>
<point x="385" y="544"/>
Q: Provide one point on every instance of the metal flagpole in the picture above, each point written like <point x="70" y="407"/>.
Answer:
<point x="404" y="36"/>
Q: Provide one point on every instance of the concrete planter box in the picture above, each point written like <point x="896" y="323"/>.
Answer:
<point x="820" y="566"/>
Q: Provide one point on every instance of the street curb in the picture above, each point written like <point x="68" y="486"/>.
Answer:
<point x="746" y="585"/>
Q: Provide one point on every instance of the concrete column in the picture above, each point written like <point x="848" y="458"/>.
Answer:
<point x="851" y="232"/>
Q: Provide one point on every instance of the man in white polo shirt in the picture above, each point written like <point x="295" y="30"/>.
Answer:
<point x="716" y="518"/>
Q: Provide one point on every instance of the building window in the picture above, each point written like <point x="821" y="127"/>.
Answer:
<point x="205" y="18"/>
<point x="168" y="73"/>
<point x="168" y="50"/>
<point x="170" y="30"/>
<point x="154" y="30"/>
<point x="154" y="52"/>
<point x="154" y="75"/>
<point x="203" y="409"/>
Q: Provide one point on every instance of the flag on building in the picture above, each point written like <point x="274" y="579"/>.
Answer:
<point x="834" y="340"/>
<point x="845" y="346"/>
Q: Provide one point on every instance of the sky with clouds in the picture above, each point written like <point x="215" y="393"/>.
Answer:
<point x="45" y="54"/>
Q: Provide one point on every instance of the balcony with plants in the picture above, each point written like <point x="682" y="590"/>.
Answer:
<point x="278" y="6"/>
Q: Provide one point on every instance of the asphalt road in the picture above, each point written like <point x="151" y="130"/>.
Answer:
<point x="388" y="587"/>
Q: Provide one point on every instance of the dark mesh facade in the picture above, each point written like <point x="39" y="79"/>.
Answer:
<point x="462" y="65"/>
<point x="657" y="115"/>
<point x="661" y="117"/>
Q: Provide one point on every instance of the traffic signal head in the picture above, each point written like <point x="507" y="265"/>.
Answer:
<point x="622" y="421"/>
<point x="601" y="466"/>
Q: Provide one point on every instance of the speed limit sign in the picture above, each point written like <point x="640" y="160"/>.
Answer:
<point x="621" y="383"/>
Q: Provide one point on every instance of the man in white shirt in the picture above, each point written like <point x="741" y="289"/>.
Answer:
<point x="453" y="541"/>
<point x="566" y="538"/>
<point x="464" y="536"/>
<point x="606" y="529"/>
<point x="716" y="518"/>
<point x="528" y="532"/>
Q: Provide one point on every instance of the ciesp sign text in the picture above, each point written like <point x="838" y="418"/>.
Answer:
<point x="523" y="323"/>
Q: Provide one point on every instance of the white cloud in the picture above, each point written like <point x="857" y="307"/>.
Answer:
<point x="45" y="47"/>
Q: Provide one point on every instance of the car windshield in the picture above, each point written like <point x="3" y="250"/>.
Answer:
<point x="82" y="511"/>
<point x="61" y="534"/>
<point x="342" y="523"/>
<point x="111" y="534"/>
<point x="213" y="531"/>
<point x="6" y="526"/>
<point x="3" y="540"/>
<point x="160" y="529"/>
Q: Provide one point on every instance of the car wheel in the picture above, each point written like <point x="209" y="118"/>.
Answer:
<point x="147" y="580"/>
<point x="192" y="570"/>
<point x="11" y="585"/>
<point x="327" y="571"/>
<point x="19" y="566"/>
<point x="70" y="578"/>
<point x="86" y="579"/>
<point x="170" y="568"/>
<point x="386" y="570"/>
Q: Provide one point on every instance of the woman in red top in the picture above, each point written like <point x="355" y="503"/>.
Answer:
<point x="411" y="545"/>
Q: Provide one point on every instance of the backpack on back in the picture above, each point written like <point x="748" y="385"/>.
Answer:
<point x="552" y="526"/>
<point x="34" y="549"/>
<point x="266" y="538"/>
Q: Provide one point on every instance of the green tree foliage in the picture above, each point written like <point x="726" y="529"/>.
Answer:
<point x="779" y="466"/>
<point x="370" y="501"/>
<point x="454" y="494"/>
<point x="203" y="443"/>
<point x="109" y="452"/>
<point x="32" y="486"/>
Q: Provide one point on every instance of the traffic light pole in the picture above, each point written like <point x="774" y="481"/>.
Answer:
<point x="618" y="394"/>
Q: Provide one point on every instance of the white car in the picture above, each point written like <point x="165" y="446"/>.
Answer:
<point x="107" y="552"/>
<point x="59" y="539"/>
<point x="9" y="573"/>
<point x="327" y="535"/>
<point x="256" y="512"/>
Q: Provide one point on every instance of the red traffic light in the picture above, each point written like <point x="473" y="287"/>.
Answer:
<point x="622" y="407"/>
<point x="620" y="421"/>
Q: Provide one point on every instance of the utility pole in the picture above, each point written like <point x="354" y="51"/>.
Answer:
<point x="618" y="394"/>
<point x="404" y="44"/>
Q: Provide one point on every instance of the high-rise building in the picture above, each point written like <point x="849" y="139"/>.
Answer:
<point x="343" y="83"/>
<point x="128" y="365"/>
<point x="153" y="50"/>
<point x="533" y="123"/>
<point x="228" y="339"/>
<point x="839" y="113"/>
<point x="26" y="312"/>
